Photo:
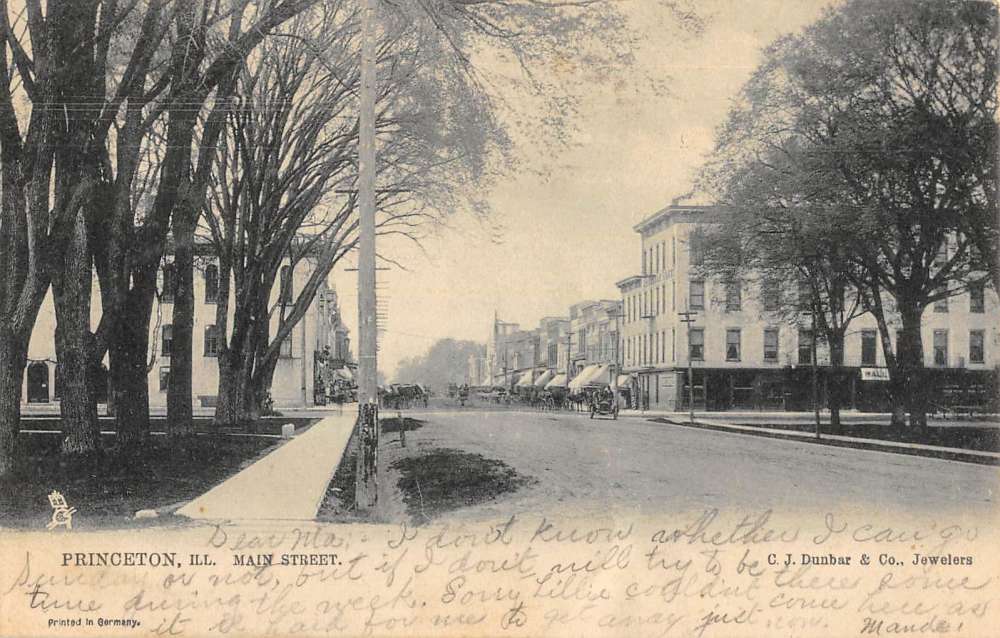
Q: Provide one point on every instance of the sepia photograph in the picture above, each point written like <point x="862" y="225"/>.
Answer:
<point x="652" y="318"/>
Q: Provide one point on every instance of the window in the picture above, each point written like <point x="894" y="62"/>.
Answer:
<point x="286" y="347"/>
<point x="977" y="297"/>
<point x="697" y="301"/>
<point x="211" y="283"/>
<point x="211" y="341"/>
<point x="940" y="347"/>
<point x="673" y="295"/>
<point x="977" y="341"/>
<point x="169" y="284"/>
<point x="868" y="352"/>
<point x="733" y="345"/>
<point x="164" y="378"/>
<point x="286" y="285"/>
<point x="697" y="254"/>
<point x="770" y="344"/>
<point x="673" y="344"/>
<point x="806" y="347"/>
<point x="805" y="296"/>
<point x="167" y="340"/>
<point x="696" y="344"/>
<point x="657" y="258"/>
<point x="734" y="296"/>
<point x="899" y="341"/>
<point x="772" y="296"/>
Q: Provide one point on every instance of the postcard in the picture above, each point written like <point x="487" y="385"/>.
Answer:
<point x="499" y="318"/>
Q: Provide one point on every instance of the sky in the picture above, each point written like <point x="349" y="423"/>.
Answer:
<point x="568" y="236"/>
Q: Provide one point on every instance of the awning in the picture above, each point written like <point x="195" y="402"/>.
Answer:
<point x="545" y="378"/>
<point x="581" y="379"/>
<point x="559" y="381"/>
<point x="601" y="376"/>
<point x="525" y="379"/>
<point x="623" y="381"/>
<point x="344" y="373"/>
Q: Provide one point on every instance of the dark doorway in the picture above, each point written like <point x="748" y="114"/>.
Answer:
<point x="38" y="382"/>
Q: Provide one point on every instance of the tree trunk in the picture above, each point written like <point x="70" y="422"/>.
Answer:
<point x="897" y="384"/>
<point x="13" y="359"/>
<point x="259" y="391"/>
<point x="837" y="380"/>
<point x="179" y="395"/>
<point x="129" y="376"/>
<point x="911" y="362"/>
<point x="71" y="289"/>
<point x="235" y="405"/>
<point x="130" y="390"/>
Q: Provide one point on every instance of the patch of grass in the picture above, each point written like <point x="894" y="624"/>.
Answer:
<point x="338" y="502"/>
<point x="109" y="486"/>
<point x="443" y="479"/>
<point x="392" y="425"/>
<point x="264" y="425"/>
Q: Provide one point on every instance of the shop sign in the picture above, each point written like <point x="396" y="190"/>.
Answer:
<point x="874" y="374"/>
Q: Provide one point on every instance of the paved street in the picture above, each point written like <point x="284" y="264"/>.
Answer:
<point x="634" y="464"/>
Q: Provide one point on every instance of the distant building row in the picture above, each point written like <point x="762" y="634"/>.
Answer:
<point x="748" y="347"/>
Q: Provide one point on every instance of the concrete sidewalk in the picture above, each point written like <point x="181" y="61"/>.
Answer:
<point x="702" y="420"/>
<point x="744" y="417"/>
<point x="289" y="483"/>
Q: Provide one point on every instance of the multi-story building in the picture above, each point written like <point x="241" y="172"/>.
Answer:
<point x="320" y="336"/>
<point x="747" y="350"/>
<point x="523" y="356"/>
<point x="553" y="343"/>
<point x="594" y="329"/>
<point x="498" y="356"/>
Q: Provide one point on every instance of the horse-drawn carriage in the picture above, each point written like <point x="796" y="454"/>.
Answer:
<point x="404" y="395"/>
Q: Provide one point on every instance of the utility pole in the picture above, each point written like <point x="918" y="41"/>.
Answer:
<point x="815" y="381"/>
<point x="618" y="366"/>
<point x="366" y="485"/>
<point x="569" y="355"/>
<point x="688" y="318"/>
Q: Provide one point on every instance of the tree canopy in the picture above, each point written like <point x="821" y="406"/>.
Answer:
<point x="863" y="150"/>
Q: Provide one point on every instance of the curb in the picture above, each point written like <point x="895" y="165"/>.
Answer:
<point x="866" y="444"/>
